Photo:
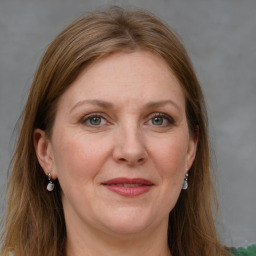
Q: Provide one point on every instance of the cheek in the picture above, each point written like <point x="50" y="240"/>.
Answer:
<point x="171" y="156"/>
<point x="77" y="158"/>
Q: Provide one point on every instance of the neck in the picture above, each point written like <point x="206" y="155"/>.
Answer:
<point x="98" y="243"/>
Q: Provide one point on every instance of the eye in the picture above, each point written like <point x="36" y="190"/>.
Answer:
<point x="94" y="120"/>
<point x="160" y="119"/>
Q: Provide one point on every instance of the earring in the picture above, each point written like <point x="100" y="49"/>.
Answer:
<point x="50" y="186"/>
<point x="185" y="182"/>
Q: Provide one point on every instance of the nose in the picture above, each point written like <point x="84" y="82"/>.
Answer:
<point x="129" y="146"/>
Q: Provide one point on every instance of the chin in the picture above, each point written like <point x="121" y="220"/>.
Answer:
<point x="128" y="222"/>
<point x="127" y="229"/>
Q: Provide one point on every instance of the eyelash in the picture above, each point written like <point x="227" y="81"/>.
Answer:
<point x="90" y="116"/>
<point x="169" y="119"/>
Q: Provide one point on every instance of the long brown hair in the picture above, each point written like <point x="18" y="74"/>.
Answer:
<point x="34" y="220"/>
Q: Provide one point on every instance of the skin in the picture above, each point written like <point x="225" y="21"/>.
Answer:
<point x="124" y="116"/>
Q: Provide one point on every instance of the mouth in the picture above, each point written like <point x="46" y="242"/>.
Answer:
<point x="128" y="187"/>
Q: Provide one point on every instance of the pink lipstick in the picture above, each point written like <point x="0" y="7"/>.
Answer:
<point x="128" y="187"/>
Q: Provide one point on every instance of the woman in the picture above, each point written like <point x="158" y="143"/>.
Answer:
<point x="113" y="156"/>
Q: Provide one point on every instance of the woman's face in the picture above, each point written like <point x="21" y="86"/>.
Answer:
<point x="120" y="145"/>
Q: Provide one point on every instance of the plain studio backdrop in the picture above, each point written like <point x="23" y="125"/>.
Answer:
<point x="220" y="36"/>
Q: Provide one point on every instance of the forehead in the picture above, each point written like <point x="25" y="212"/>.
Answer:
<point x="137" y="76"/>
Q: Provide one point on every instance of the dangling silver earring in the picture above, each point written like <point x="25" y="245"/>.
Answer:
<point x="185" y="182"/>
<point x="50" y="186"/>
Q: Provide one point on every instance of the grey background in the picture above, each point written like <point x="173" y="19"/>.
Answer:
<point x="220" y="36"/>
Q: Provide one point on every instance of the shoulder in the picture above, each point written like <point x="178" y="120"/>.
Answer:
<point x="249" y="251"/>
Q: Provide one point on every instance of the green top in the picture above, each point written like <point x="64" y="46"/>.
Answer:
<point x="249" y="251"/>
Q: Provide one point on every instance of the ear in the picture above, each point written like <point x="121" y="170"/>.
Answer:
<point x="192" y="146"/>
<point x="44" y="152"/>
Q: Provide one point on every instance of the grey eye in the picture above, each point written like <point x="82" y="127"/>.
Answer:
<point x="95" y="120"/>
<point x="161" y="120"/>
<point x="158" y="120"/>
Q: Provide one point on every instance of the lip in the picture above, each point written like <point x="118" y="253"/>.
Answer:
<point x="128" y="187"/>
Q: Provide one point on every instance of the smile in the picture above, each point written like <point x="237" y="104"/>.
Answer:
<point x="128" y="187"/>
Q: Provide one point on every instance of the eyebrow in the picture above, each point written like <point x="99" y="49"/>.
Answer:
<point x="156" y="104"/>
<point x="108" y="105"/>
<point x="101" y="103"/>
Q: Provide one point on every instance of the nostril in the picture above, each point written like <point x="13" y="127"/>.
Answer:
<point x="140" y="160"/>
<point x="124" y="160"/>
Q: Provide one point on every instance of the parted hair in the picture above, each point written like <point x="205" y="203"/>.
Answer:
<point x="34" y="223"/>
